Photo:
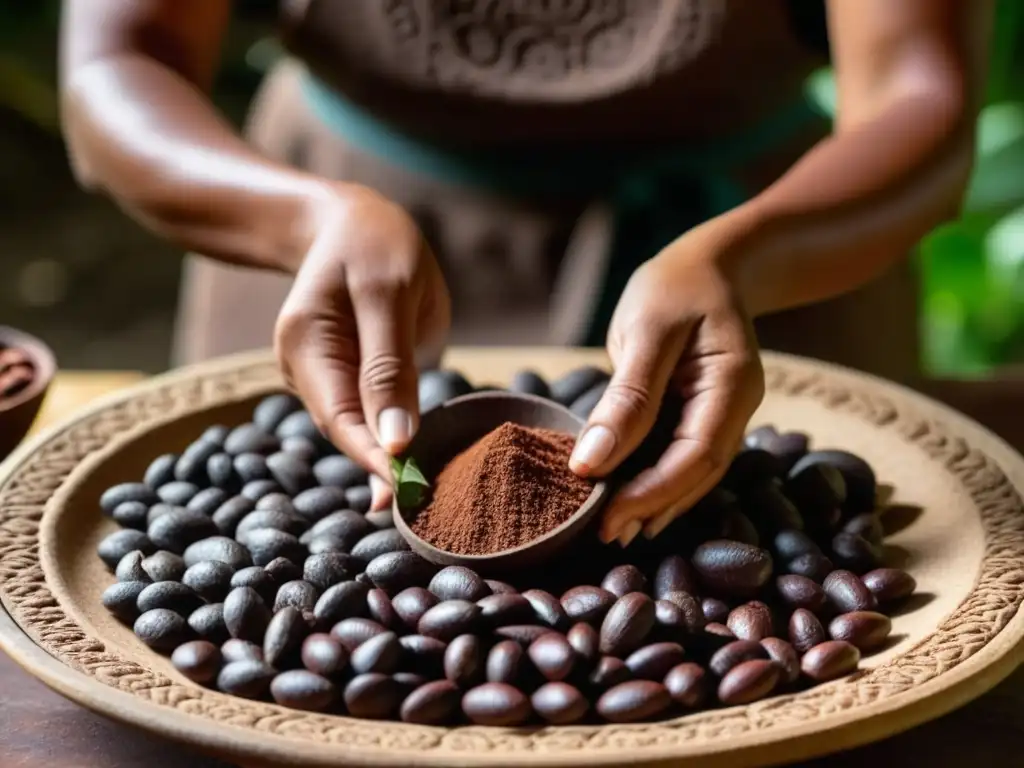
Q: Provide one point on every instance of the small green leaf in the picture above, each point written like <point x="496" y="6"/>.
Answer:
<point x="410" y="484"/>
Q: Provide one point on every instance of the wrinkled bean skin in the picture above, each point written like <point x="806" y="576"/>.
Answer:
<point x="805" y="630"/>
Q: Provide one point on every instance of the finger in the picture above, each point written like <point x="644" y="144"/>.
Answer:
<point x="319" y="357"/>
<point x="629" y="406"/>
<point x="712" y="424"/>
<point x="386" y="329"/>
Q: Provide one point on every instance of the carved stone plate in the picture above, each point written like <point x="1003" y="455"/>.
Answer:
<point x="960" y="533"/>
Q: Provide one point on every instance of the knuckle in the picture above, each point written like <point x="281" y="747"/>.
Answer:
<point x="382" y="373"/>
<point x="628" y="399"/>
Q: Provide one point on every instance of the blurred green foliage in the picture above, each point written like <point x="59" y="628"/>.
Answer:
<point x="972" y="270"/>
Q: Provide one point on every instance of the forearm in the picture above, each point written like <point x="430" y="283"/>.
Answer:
<point x="851" y="207"/>
<point x="151" y="139"/>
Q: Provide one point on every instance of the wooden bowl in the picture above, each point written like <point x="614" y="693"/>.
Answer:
<point x="18" y="412"/>
<point x="957" y="526"/>
<point x="449" y="429"/>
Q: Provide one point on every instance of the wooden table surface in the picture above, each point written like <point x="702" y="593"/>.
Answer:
<point x="39" y="729"/>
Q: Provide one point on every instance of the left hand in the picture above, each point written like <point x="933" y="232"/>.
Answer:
<point x="679" y="326"/>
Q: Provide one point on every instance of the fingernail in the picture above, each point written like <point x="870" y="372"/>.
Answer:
<point x="394" y="429"/>
<point x="592" y="449"/>
<point x="379" y="491"/>
<point x="629" y="532"/>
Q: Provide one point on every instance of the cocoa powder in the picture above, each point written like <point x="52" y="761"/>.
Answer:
<point x="510" y="487"/>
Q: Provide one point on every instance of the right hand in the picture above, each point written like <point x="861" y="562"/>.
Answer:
<point x="366" y="297"/>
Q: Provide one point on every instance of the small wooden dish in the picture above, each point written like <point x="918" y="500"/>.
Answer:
<point x="451" y="428"/>
<point x="18" y="412"/>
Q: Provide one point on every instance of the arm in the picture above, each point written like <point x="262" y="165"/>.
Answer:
<point x="140" y="127"/>
<point x="910" y="77"/>
<point x="367" y="291"/>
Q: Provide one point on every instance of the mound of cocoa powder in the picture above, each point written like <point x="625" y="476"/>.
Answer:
<point x="510" y="487"/>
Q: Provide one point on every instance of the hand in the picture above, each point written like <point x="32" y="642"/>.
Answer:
<point x="368" y="294"/>
<point x="678" y="327"/>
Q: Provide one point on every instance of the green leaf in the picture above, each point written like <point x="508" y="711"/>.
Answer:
<point x="410" y="484"/>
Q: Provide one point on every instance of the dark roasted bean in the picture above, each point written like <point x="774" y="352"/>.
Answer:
<point x="172" y="595"/>
<point x="219" y="548"/>
<point x="458" y="583"/>
<point x="302" y="689"/>
<point x="396" y="571"/>
<point x="198" y="660"/>
<point x="129" y="568"/>
<point x="248" y="678"/>
<point x="785" y="655"/>
<point x="530" y="383"/>
<point x="846" y="592"/>
<point x="207" y="501"/>
<point x="791" y="544"/>
<point x="559" y="703"/>
<point x="433" y="703"/>
<point x="160" y="472"/>
<point x="245" y="614"/>
<point x="588" y="604"/>
<point x="805" y="630"/>
<point x="853" y="552"/>
<point x="317" y="503"/>
<point x="131" y="514"/>
<point x="714" y="610"/>
<point x="736" y="652"/>
<point x="830" y="660"/>
<point x="282" y="570"/>
<point x="449" y="619"/>
<point x="521" y="633"/>
<point x="748" y="682"/>
<point x="279" y="520"/>
<point x="866" y="525"/>
<point x="552" y="655"/>
<point x="220" y="468"/>
<point x="251" y="467"/>
<point x="329" y="568"/>
<point x="177" y="493"/>
<point x="571" y="386"/>
<point x="208" y="623"/>
<point x="687" y="684"/>
<point x="257" y="489"/>
<point x="858" y="477"/>
<point x="499" y="610"/>
<point x="352" y="633"/>
<point x="346" y="600"/>
<point x="411" y="603"/>
<point x="731" y="568"/>
<point x="359" y="498"/>
<point x="240" y="650"/>
<point x="608" y="673"/>
<point x="249" y="438"/>
<point x="889" y="585"/>
<point x="229" y="514"/>
<point x="504" y="662"/>
<point x="693" y="615"/>
<point x="585" y="640"/>
<point x="121" y="599"/>
<point x="162" y="629"/>
<point x="624" y="579"/>
<point x="120" y="543"/>
<point x="633" y="701"/>
<point x="653" y="662"/>
<point x="324" y="655"/>
<point x="119" y="494"/>
<point x="266" y="544"/>
<point x="372" y="696"/>
<point x="339" y="472"/>
<point x="627" y="624"/>
<point x="298" y="594"/>
<point x="272" y="409"/>
<point x="819" y="491"/>
<point x="377" y="543"/>
<point x="258" y="579"/>
<point x="867" y="630"/>
<point x="547" y="609"/>
<point x="382" y="611"/>
<point x="464" y="661"/>
<point x="788" y="447"/>
<point x="284" y="635"/>
<point x="176" y="530"/>
<point x="424" y="654"/>
<point x="800" y="592"/>
<point x="164" y="566"/>
<point x="380" y="653"/>
<point x="496" y="704"/>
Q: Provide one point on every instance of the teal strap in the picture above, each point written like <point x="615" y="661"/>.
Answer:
<point x="643" y="184"/>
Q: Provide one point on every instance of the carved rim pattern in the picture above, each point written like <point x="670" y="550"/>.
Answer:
<point x="964" y="644"/>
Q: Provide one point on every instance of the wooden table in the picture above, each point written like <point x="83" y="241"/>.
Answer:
<point x="39" y="729"/>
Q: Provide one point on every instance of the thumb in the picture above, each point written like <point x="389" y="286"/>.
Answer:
<point x="629" y="406"/>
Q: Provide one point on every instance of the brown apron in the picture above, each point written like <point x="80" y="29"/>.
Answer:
<point x="521" y="272"/>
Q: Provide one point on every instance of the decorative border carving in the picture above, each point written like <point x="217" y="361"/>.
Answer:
<point x="995" y="599"/>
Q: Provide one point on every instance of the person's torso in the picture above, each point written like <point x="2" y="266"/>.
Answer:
<point x="585" y="71"/>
